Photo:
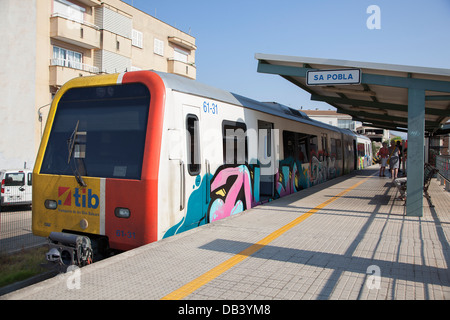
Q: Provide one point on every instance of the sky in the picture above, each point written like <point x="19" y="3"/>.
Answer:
<point x="229" y="33"/>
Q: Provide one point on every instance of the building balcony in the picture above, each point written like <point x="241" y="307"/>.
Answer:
<point x="183" y="43"/>
<point x="82" y="34"/>
<point x="62" y="71"/>
<point x="182" y="68"/>
<point x="91" y="3"/>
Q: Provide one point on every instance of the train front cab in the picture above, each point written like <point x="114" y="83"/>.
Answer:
<point x="96" y="173"/>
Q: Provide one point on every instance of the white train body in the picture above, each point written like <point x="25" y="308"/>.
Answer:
<point x="154" y="154"/>
<point x="270" y="167"/>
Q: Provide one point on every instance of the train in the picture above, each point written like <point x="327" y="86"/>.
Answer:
<point x="131" y="158"/>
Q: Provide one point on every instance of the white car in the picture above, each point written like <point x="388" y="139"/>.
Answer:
<point x="16" y="187"/>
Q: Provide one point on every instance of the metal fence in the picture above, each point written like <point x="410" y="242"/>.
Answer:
<point x="443" y="165"/>
<point x="15" y="230"/>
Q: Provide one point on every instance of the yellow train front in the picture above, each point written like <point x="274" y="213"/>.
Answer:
<point x="96" y="173"/>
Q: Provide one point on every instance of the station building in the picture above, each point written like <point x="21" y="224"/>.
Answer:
<point x="48" y="42"/>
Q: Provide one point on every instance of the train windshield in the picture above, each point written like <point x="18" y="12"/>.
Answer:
<point x="99" y="132"/>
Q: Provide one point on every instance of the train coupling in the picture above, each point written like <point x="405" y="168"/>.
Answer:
<point x="68" y="249"/>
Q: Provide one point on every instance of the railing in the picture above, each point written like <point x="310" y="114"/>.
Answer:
<point x="15" y="230"/>
<point x="443" y="165"/>
<point x="74" y="65"/>
<point x="60" y="15"/>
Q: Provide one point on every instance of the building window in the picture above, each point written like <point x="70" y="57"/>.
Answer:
<point x="68" y="10"/>
<point x="159" y="47"/>
<point x="136" y="39"/>
<point x="180" y="55"/>
<point x="67" y="58"/>
<point x="346" y="124"/>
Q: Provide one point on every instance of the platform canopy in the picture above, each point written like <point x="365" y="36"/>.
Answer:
<point x="395" y="97"/>
<point x="379" y="98"/>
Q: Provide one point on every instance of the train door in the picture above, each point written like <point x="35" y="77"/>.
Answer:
<point x="195" y="184"/>
<point x="266" y="157"/>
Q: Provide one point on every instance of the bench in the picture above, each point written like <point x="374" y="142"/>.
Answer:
<point x="428" y="173"/>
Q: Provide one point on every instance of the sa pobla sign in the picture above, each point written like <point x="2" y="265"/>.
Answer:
<point x="330" y="77"/>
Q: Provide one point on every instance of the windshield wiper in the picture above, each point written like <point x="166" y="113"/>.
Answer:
<point x="71" y="141"/>
<point x="77" y="161"/>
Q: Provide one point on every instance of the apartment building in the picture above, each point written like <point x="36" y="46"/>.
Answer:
<point x="375" y="134"/>
<point x="333" y="118"/>
<point x="346" y="121"/>
<point x="48" y="42"/>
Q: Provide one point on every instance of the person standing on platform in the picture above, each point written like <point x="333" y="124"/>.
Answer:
<point x="384" y="154"/>
<point x="400" y="155"/>
<point x="394" y="160"/>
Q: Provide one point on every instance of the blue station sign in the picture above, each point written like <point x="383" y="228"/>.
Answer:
<point x="333" y="77"/>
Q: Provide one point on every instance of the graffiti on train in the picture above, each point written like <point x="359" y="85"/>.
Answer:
<point x="233" y="189"/>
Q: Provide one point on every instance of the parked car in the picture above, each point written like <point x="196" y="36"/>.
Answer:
<point x="15" y="187"/>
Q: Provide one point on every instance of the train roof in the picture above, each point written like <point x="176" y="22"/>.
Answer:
<point x="362" y="137"/>
<point x="185" y="85"/>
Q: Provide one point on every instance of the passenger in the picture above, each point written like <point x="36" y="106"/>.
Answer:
<point x="384" y="154"/>
<point x="394" y="160"/>
<point x="400" y="156"/>
<point x="400" y="183"/>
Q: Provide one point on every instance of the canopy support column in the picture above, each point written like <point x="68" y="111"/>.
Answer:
<point x="415" y="162"/>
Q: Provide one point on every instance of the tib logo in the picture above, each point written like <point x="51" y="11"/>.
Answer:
<point x="80" y="198"/>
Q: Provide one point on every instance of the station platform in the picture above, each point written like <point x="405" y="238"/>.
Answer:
<point x="346" y="239"/>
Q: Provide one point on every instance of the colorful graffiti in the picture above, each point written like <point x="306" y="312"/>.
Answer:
<point x="195" y="209"/>
<point x="233" y="189"/>
<point x="363" y="162"/>
<point x="231" y="192"/>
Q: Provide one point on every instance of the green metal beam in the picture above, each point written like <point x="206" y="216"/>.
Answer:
<point x="402" y="82"/>
<point x="364" y="116"/>
<point x="369" y="116"/>
<point x="438" y="98"/>
<point x="281" y="70"/>
<point x="391" y="125"/>
<point x="357" y="102"/>
<point x="373" y="104"/>
<point x="382" y="125"/>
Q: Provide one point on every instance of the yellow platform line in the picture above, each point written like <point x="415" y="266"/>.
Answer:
<point x="195" y="284"/>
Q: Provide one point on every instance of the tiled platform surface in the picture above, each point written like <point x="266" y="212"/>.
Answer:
<point x="336" y="253"/>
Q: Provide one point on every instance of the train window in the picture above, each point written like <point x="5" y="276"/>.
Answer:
<point x="303" y="150"/>
<point x="289" y="144"/>
<point x="297" y="146"/>
<point x="333" y="148"/>
<point x="113" y="120"/>
<point x="313" y="147"/>
<point x="234" y="142"/>
<point x="338" y="149"/>
<point x="193" y="145"/>
<point x="361" y="150"/>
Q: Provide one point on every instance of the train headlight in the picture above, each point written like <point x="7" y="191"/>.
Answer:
<point x="122" y="213"/>
<point x="50" y="204"/>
